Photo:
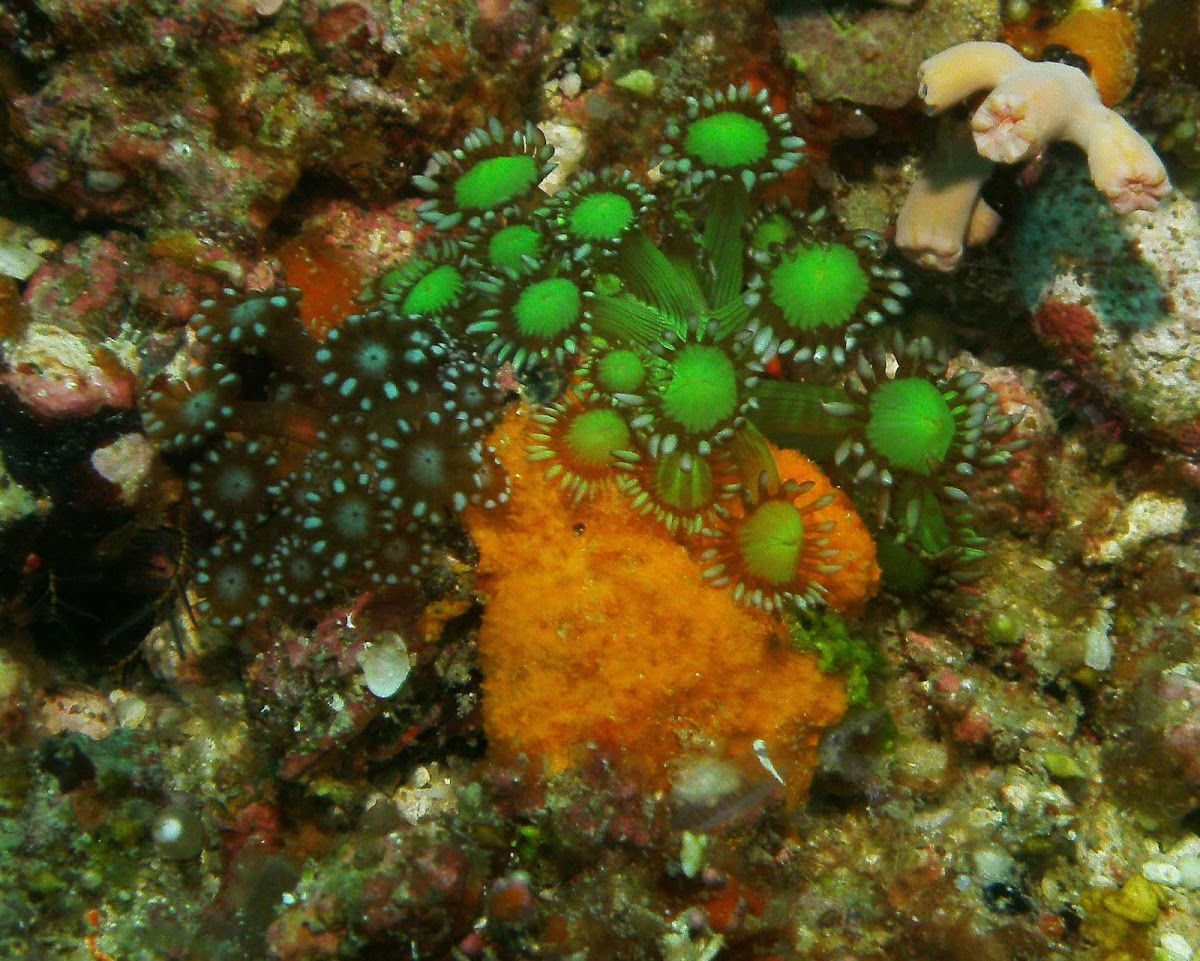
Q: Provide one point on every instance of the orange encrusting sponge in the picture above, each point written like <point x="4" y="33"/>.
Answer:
<point x="858" y="580"/>
<point x="1107" y="39"/>
<point x="599" y="633"/>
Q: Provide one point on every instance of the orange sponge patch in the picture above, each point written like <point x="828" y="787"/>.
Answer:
<point x="858" y="580"/>
<point x="599" y="633"/>
<point x="1107" y="39"/>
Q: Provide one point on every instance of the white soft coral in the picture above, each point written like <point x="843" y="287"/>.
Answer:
<point x="1030" y="106"/>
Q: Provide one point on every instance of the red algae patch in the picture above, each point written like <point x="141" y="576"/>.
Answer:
<point x="328" y="281"/>
<point x="600" y="634"/>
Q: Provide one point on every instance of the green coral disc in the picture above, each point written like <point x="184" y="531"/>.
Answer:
<point x="703" y="389"/>
<point x="595" y="434"/>
<point x="601" y="216"/>
<point x="508" y="247"/>
<point x="620" y="371"/>
<point x="352" y="518"/>
<point x="910" y="424"/>
<point x="771" y="542"/>
<point x="773" y="230"/>
<point x="496" y="181"/>
<point x="236" y="485"/>
<point x="548" y="308"/>
<point x="727" y="139"/>
<point x="435" y="292"/>
<point x="819" y="286"/>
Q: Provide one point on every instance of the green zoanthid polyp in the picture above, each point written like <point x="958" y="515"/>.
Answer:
<point x="696" y="286"/>
<point x="687" y="322"/>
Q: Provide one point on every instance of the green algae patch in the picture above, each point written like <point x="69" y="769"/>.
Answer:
<point x="838" y="652"/>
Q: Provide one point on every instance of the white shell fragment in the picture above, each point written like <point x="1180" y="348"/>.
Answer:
<point x="385" y="664"/>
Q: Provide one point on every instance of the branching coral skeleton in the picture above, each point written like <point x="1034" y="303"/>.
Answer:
<point x="1031" y="105"/>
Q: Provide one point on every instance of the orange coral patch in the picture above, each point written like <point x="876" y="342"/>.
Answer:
<point x="1028" y="35"/>
<point x="600" y="633"/>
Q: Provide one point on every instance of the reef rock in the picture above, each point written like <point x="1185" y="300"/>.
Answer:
<point x="1117" y="299"/>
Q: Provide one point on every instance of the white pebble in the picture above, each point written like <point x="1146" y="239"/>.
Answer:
<point x="1189" y="872"/>
<point x="570" y="85"/>
<point x="1175" y="947"/>
<point x="130" y="711"/>
<point x="1161" y="873"/>
<point x="993" y="864"/>
<point x="385" y="664"/>
<point x="1097" y="643"/>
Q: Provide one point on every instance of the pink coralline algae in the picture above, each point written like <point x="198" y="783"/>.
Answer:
<point x="349" y="35"/>
<point x="1070" y="329"/>
<point x="1117" y="302"/>
<point x="77" y="353"/>
<point x="63" y="375"/>
<point x="208" y="118"/>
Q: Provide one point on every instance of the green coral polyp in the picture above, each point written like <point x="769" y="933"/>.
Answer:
<point x="509" y="247"/>
<point x="773" y="549"/>
<point x="703" y="389"/>
<point x="772" y="231"/>
<point x="771" y="541"/>
<point x="601" y="216"/>
<point x="594" y="213"/>
<point x="548" y="308"/>
<point x="730" y="136"/>
<point x="727" y="140"/>
<point x="915" y="434"/>
<point x="491" y="175"/>
<point x="431" y="285"/>
<point x="910" y="425"/>
<point x="595" y="434"/>
<point x="819" y="285"/>
<point x="434" y="293"/>
<point x="579" y="443"/>
<point x="496" y="181"/>
<point x="620" y="372"/>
